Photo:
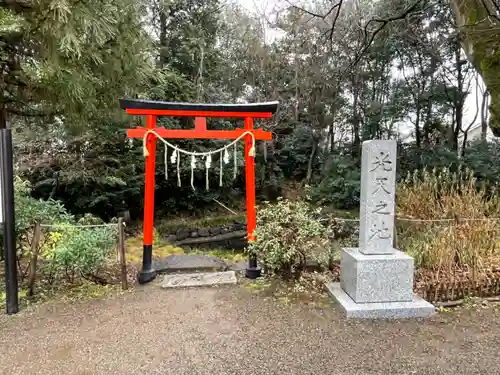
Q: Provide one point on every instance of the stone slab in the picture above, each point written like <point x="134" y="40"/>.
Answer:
<point x="198" y="279"/>
<point x="378" y="190"/>
<point x="189" y="263"/>
<point x="376" y="278"/>
<point x="417" y="308"/>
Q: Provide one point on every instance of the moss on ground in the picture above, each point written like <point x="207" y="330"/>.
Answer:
<point x="224" y="254"/>
<point x="80" y="291"/>
<point x="307" y="290"/>
<point x="161" y="249"/>
<point x="66" y="293"/>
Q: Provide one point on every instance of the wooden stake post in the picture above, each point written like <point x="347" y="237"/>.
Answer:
<point x="121" y="249"/>
<point x="152" y="109"/>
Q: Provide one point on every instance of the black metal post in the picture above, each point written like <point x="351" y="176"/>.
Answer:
<point x="9" y="226"/>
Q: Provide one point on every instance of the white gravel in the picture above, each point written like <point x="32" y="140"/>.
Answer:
<point x="229" y="330"/>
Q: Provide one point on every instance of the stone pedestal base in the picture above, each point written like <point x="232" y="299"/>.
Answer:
<point x="376" y="278"/>
<point x="417" y="308"/>
<point x="378" y="286"/>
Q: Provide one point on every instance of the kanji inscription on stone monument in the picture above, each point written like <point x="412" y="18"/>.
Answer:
<point x="378" y="185"/>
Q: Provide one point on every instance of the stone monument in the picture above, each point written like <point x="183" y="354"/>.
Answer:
<point x="376" y="280"/>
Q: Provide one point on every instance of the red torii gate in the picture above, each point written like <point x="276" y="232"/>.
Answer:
<point x="152" y="109"/>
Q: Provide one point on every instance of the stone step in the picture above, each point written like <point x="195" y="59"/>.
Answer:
<point x="183" y="280"/>
<point x="189" y="263"/>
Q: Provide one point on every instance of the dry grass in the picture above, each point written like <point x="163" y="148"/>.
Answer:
<point x="440" y="194"/>
<point x="467" y="238"/>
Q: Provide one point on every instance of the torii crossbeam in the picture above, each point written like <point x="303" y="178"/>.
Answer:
<point x="152" y="109"/>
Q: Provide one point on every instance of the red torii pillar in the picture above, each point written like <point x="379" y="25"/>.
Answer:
<point x="152" y="109"/>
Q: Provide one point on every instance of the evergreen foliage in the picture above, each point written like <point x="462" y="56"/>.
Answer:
<point x="65" y="64"/>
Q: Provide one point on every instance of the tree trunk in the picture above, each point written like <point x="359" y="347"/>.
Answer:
<point x="479" y="25"/>
<point x="199" y="77"/>
<point x="464" y="144"/>
<point x="310" y="163"/>
<point x="331" y="134"/>
<point x="484" y="116"/>
<point x="459" y="101"/>
<point x="355" y="121"/>
<point x="331" y="137"/>
<point x="163" y="38"/>
<point x="428" y="116"/>
<point x="458" y="125"/>
<point x="418" y="135"/>
<point x="296" y="106"/>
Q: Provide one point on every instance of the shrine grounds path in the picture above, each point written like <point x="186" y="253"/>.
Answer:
<point x="230" y="330"/>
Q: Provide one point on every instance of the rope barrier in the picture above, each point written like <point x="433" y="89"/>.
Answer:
<point x="333" y="218"/>
<point x="224" y="206"/>
<point x="448" y="220"/>
<point x="78" y="225"/>
<point x="341" y="219"/>
<point x="425" y="220"/>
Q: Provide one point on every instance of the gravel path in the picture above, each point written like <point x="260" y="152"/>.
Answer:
<point x="229" y="330"/>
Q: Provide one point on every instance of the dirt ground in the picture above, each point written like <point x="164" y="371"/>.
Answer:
<point x="232" y="330"/>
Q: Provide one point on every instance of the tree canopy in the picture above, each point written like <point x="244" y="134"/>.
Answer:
<point x="343" y="72"/>
<point x="70" y="59"/>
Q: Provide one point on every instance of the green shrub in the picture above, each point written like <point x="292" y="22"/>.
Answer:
<point x="286" y="233"/>
<point x="82" y="251"/>
<point x="484" y="159"/>
<point x="339" y="182"/>
<point x="295" y="152"/>
<point x="65" y="249"/>
<point x="341" y="185"/>
<point x="29" y="210"/>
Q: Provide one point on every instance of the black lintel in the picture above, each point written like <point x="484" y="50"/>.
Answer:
<point x="152" y="104"/>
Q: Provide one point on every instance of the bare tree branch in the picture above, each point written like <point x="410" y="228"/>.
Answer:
<point x="335" y="19"/>
<point x="336" y="7"/>
<point x="369" y="36"/>
<point x="484" y="115"/>
<point x="383" y="22"/>
<point x="317" y="15"/>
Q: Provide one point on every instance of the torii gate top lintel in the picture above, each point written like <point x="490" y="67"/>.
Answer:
<point x="151" y="109"/>
<point x="159" y="108"/>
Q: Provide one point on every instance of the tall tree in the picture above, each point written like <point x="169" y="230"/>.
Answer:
<point x="71" y="58"/>
<point x="478" y="21"/>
